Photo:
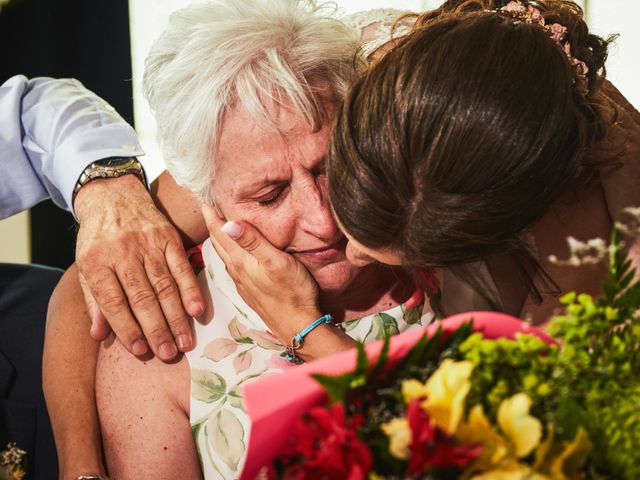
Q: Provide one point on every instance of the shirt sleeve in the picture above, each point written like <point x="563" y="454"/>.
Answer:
<point x="50" y="131"/>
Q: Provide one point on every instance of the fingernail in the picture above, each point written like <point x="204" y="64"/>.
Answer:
<point x="195" y="309"/>
<point x="183" y="341"/>
<point x="139" y="348"/>
<point x="167" y="351"/>
<point x="233" y="229"/>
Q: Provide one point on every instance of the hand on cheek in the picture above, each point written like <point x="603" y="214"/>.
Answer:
<point x="272" y="282"/>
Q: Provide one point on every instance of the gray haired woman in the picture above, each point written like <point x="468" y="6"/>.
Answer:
<point x="245" y="94"/>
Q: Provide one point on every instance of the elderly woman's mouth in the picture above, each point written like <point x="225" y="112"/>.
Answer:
<point x="322" y="254"/>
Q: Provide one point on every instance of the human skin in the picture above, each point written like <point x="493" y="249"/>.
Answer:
<point x="274" y="180"/>
<point x="135" y="274"/>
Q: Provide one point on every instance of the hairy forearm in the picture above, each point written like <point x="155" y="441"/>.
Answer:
<point x="69" y="362"/>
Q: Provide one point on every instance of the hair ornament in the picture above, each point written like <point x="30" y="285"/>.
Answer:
<point x="557" y="32"/>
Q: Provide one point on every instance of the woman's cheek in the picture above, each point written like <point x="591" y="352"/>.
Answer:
<point x="277" y="225"/>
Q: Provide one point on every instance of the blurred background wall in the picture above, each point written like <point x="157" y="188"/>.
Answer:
<point x="104" y="45"/>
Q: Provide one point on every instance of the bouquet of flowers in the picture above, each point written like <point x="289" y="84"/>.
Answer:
<point x="462" y="404"/>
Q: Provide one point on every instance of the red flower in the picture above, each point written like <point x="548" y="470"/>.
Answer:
<point x="431" y="446"/>
<point x="325" y="446"/>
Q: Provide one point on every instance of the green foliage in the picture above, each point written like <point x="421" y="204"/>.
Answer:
<point x="337" y="386"/>
<point x="600" y="365"/>
<point x="503" y="367"/>
<point x="614" y="423"/>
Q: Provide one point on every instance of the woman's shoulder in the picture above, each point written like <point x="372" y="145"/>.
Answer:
<point x="117" y="367"/>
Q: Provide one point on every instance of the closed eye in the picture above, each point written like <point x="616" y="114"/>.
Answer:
<point x="272" y="198"/>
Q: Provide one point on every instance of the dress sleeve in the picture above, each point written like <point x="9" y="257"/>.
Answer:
<point x="50" y="131"/>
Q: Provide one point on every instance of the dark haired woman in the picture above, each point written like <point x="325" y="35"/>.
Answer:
<point x="479" y="143"/>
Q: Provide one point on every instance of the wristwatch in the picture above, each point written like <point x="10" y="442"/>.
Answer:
<point x="92" y="477"/>
<point x="110" y="168"/>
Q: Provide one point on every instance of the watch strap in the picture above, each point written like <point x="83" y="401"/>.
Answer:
<point x="110" y="168"/>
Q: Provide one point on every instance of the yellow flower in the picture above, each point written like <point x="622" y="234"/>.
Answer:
<point x="412" y="389"/>
<point x="522" y="429"/>
<point x="478" y="430"/>
<point x="399" y="435"/>
<point x="573" y="456"/>
<point x="446" y="391"/>
<point x="561" y="460"/>
<point x="515" y="472"/>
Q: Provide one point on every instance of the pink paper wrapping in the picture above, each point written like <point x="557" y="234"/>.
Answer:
<point x="274" y="402"/>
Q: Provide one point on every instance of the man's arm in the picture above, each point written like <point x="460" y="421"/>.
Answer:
<point x="52" y="129"/>
<point x="133" y="266"/>
<point x="113" y="251"/>
<point x="131" y="259"/>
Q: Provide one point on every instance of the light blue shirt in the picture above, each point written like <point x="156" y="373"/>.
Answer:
<point x="50" y="131"/>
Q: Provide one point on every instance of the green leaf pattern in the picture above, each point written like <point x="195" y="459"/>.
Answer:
<point x="226" y="437"/>
<point x="206" y="385"/>
<point x="412" y="316"/>
<point x="382" y="326"/>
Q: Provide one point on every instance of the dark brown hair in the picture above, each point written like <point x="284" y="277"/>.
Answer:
<point x="465" y="132"/>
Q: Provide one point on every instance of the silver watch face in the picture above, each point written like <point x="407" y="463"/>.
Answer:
<point x="113" y="162"/>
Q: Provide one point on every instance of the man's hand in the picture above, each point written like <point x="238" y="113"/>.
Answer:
<point x="133" y="269"/>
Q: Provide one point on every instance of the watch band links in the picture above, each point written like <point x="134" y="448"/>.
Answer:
<point x="110" y="168"/>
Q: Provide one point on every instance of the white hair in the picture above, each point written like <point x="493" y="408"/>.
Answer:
<point x="217" y="55"/>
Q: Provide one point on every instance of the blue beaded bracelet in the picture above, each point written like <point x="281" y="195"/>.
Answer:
<point x="298" y="338"/>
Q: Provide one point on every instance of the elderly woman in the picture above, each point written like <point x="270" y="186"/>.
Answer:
<point x="245" y="94"/>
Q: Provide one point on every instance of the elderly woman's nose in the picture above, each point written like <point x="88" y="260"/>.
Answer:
<point x="315" y="213"/>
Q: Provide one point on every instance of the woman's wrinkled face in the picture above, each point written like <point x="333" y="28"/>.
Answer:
<point x="276" y="181"/>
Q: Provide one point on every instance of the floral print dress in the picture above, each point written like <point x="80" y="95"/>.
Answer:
<point x="234" y="346"/>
